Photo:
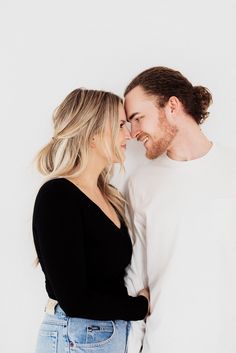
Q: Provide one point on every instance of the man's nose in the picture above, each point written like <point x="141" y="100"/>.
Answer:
<point x="134" y="132"/>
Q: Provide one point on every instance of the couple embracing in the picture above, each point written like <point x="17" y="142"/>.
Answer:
<point x="159" y="278"/>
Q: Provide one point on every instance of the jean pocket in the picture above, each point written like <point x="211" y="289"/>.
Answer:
<point x="47" y="341"/>
<point x="90" y="333"/>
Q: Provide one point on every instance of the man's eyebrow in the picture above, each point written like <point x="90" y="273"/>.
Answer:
<point x="131" y="117"/>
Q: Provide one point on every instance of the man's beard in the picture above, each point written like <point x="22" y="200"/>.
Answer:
<point x="161" y="144"/>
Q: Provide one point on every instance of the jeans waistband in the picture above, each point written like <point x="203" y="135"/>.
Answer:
<point x="53" y="308"/>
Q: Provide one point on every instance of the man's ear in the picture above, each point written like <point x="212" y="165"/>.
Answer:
<point x="172" y="108"/>
<point x="173" y="104"/>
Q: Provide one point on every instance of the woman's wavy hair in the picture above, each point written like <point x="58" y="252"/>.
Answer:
<point x="82" y="115"/>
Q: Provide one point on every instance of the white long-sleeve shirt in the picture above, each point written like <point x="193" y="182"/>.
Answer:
<point x="183" y="215"/>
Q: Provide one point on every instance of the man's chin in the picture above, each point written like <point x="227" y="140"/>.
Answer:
<point x="153" y="155"/>
<point x="155" y="150"/>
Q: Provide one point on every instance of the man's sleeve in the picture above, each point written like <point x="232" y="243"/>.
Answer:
<point x="136" y="278"/>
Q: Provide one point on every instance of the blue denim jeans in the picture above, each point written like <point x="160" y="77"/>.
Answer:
<point x="62" y="334"/>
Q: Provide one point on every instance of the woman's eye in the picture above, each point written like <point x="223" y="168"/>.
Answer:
<point x="122" y="124"/>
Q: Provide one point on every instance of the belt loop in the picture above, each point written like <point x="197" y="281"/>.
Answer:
<point x="50" y="306"/>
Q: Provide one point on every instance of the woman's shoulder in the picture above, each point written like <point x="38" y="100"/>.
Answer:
<point x="57" y="199"/>
<point x="56" y="190"/>
<point x="53" y="185"/>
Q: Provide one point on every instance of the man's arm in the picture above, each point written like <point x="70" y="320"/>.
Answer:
<point x="136" y="278"/>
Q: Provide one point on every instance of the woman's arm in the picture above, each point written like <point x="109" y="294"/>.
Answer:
<point x="59" y="239"/>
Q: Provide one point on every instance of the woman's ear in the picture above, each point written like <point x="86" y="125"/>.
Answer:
<point x="92" y="142"/>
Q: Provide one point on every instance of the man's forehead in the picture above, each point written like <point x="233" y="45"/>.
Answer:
<point x="137" y="100"/>
<point x="136" y="93"/>
<point x="138" y="96"/>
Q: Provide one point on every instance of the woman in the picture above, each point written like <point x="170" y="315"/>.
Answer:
<point x="79" y="229"/>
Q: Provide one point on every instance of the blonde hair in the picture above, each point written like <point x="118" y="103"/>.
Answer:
<point x="82" y="115"/>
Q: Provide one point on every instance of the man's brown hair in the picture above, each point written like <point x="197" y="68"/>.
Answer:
<point x="164" y="83"/>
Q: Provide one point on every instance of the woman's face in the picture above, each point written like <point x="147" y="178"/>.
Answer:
<point x="124" y="133"/>
<point x="108" y="144"/>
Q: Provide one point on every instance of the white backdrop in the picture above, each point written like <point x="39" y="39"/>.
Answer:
<point x="48" y="48"/>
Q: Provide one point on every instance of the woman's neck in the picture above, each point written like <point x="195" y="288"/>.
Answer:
<point x="88" y="179"/>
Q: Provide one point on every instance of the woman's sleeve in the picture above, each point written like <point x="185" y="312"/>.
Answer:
<point x="59" y="239"/>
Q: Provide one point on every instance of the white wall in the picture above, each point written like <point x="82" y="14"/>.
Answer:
<point x="52" y="47"/>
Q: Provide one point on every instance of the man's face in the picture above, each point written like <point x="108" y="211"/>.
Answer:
<point x="149" y="124"/>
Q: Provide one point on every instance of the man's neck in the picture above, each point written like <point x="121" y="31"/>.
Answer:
<point x="190" y="143"/>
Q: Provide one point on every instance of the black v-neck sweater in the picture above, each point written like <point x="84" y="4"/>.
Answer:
<point x="83" y="255"/>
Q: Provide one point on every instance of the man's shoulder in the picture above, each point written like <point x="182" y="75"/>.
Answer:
<point x="227" y="156"/>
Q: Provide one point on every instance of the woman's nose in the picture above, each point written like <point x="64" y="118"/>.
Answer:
<point x="127" y="134"/>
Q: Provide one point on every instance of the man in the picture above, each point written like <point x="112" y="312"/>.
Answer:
<point x="183" y="213"/>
